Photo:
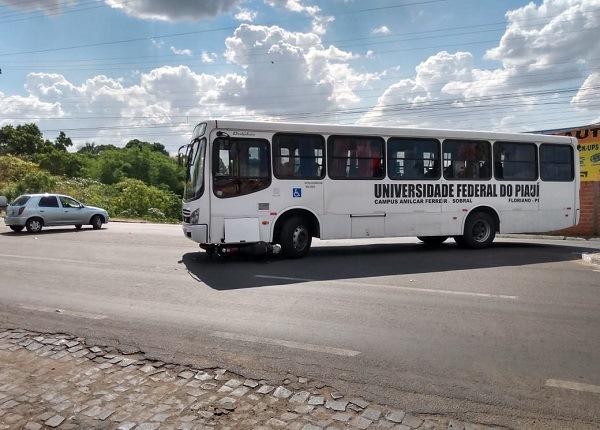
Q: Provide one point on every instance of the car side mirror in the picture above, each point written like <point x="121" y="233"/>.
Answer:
<point x="3" y="202"/>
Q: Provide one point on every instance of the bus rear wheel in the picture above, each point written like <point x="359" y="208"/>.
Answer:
<point x="480" y="231"/>
<point x="295" y="238"/>
<point x="432" y="240"/>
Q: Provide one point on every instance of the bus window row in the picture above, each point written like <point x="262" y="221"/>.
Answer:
<point x="299" y="156"/>
<point x="242" y="166"/>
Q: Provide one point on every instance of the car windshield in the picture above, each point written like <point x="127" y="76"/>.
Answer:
<point x="20" y="201"/>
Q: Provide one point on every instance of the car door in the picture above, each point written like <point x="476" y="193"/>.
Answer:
<point x="73" y="212"/>
<point x="50" y="210"/>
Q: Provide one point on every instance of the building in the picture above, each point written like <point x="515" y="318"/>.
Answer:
<point x="589" y="162"/>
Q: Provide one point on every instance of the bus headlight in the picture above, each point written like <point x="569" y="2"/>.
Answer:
<point x="195" y="216"/>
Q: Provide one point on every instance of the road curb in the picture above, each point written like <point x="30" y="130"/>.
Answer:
<point x="593" y="258"/>
<point x="544" y="237"/>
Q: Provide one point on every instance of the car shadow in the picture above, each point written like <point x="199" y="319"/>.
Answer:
<point x="46" y="230"/>
<point x="327" y="263"/>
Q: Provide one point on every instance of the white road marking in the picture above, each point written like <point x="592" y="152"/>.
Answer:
<point x="64" y="312"/>
<point x="570" y="385"/>
<point x="413" y="289"/>
<point x="434" y="291"/>
<point x="285" y="343"/>
<point x="58" y="260"/>
<point x="284" y="278"/>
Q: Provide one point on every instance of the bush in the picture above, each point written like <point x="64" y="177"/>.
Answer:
<point x="136" y="199"/>
<point x="120" y="196"/>
<point x="60" y="162"/>
<point x="14" y="169"/>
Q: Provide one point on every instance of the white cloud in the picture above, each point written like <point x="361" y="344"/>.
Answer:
<point x="293" y="72"/>
<point x="548" y="46"/>
<point x="370" y="54"/>
<point x="319" y="21"/>
<point x="25" y="107"/>
<point x="166" y="95"/>
<point x="47" y="6"/>
<point x="246" y="15"/>
<point x="587" y="96"/>
<point x="180" y="10"/>
<point x="381" y="30"/>
<point x="157" y="43"/>
<point x="186" y="52"/>
<point x="208" y="57"/>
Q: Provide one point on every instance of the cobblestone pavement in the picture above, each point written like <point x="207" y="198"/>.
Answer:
<point x="57" y="381"/>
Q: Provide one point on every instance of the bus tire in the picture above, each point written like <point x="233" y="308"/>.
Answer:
<point x="295" y="237"/>
<point x="480" y="231"/>
<point x="432" y="240"/>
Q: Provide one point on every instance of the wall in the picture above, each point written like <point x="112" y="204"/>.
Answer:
<point x="589" y="194"/>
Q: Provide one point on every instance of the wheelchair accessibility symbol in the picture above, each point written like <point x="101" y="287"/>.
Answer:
<point x="296" y="192"/>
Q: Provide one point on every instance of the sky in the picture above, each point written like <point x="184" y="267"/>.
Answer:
<point x="107" y="71"/>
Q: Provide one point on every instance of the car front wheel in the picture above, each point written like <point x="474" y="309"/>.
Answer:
<point x="34" y="225"/>
<point x="96" y="222"/>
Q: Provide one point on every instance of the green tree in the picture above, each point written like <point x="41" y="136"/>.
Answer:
<point x="158" y="147"/>
<point x="62" y="142"/>
<point x="24" y="140"/>
<point x="61" y="162"/>
<point x="93" y="149"/>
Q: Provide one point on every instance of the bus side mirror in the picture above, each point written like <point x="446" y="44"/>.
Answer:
<point x="182" y="158"/>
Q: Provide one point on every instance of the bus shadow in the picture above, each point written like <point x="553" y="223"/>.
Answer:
<point x="327" y="263"/>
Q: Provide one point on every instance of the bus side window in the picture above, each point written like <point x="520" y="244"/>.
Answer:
<point x="356" y="157"/>
<point x="556" y="163"/>
<point x="515" y="161"/>
<point x="467" y="159"/>
<point x="240" y="166"/>
<point x="413" y="159"/>
<point x="298" y="156"/>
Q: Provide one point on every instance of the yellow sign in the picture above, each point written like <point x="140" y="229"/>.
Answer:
<point x="589" y="151"/>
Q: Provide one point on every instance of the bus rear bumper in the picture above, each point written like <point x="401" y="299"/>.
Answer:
<point x="196" y="232"/>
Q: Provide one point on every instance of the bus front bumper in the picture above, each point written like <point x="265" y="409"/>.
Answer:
<point x="196" y="232"/>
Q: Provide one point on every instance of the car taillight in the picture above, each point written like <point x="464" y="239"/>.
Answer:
<point x="21" y="210"/>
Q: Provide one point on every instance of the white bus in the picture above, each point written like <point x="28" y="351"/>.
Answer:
<point x="275" y="186"/>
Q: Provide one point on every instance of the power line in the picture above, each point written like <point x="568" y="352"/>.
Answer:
<point x="405" y="108"/>
<point x="291" y="61"/>
<point x="66" y="101"/>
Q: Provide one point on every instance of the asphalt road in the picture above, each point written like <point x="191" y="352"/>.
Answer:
<point x="491" y="336"/>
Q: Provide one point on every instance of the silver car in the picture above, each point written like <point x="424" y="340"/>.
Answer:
<point x="34" y="211"/>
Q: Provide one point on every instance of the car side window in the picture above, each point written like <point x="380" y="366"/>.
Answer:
<point x="68" y="202"/>
<point x="48" y="202"/>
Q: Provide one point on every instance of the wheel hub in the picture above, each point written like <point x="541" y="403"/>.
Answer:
<point x="300" y="238"/>
<point x="481" y="231"/>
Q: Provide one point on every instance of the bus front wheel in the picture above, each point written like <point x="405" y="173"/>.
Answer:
<point x="295" y="238"/>
<point x="480" y="231"/>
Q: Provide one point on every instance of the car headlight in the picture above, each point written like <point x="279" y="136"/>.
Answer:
<point x="195" y="216"/>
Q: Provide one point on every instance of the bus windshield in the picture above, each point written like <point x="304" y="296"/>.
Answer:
<point x="194" y="184"/>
